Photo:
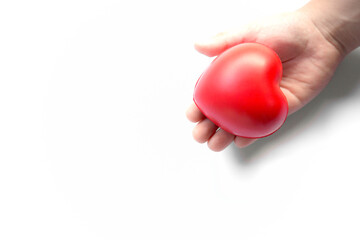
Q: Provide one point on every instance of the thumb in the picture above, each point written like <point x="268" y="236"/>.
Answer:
<point x="220" y="42"/>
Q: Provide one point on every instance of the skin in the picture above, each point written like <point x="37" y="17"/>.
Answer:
<point x="310" y="44"/>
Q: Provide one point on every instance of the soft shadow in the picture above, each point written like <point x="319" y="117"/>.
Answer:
<point x="344" y="84"/>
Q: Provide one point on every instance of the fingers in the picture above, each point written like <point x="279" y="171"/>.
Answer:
<point x="194" y="114"/>
<point x="242" y="142"/>
<point x="220" y="140"/>
<point x="220" y="42"/>
<point x="204" y="130"/>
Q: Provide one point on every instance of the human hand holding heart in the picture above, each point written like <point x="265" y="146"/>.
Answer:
<point x="248" y="103"/>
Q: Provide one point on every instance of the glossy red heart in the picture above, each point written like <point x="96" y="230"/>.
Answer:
<point x="240" y="91"/>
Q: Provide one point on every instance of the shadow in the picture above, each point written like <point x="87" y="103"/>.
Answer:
<point x="344" y="84"/>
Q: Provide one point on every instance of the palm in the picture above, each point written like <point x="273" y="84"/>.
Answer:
<point x="309" y="62"/>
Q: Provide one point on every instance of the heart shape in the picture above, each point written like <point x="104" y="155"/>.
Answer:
<point x="240" y="92"/>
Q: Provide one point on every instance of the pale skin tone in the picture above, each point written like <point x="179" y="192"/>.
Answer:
<point x="310" y="42"/>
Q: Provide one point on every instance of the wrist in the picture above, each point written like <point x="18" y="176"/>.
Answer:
<point x="337" y="20"/>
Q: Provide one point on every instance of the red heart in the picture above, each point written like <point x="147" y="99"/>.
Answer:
<point x="240" y="91"/>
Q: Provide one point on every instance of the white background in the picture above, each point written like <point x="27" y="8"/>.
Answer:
<point x="94" y="143"/>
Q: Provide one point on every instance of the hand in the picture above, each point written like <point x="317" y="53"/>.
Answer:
<point x="309" y="61"/>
